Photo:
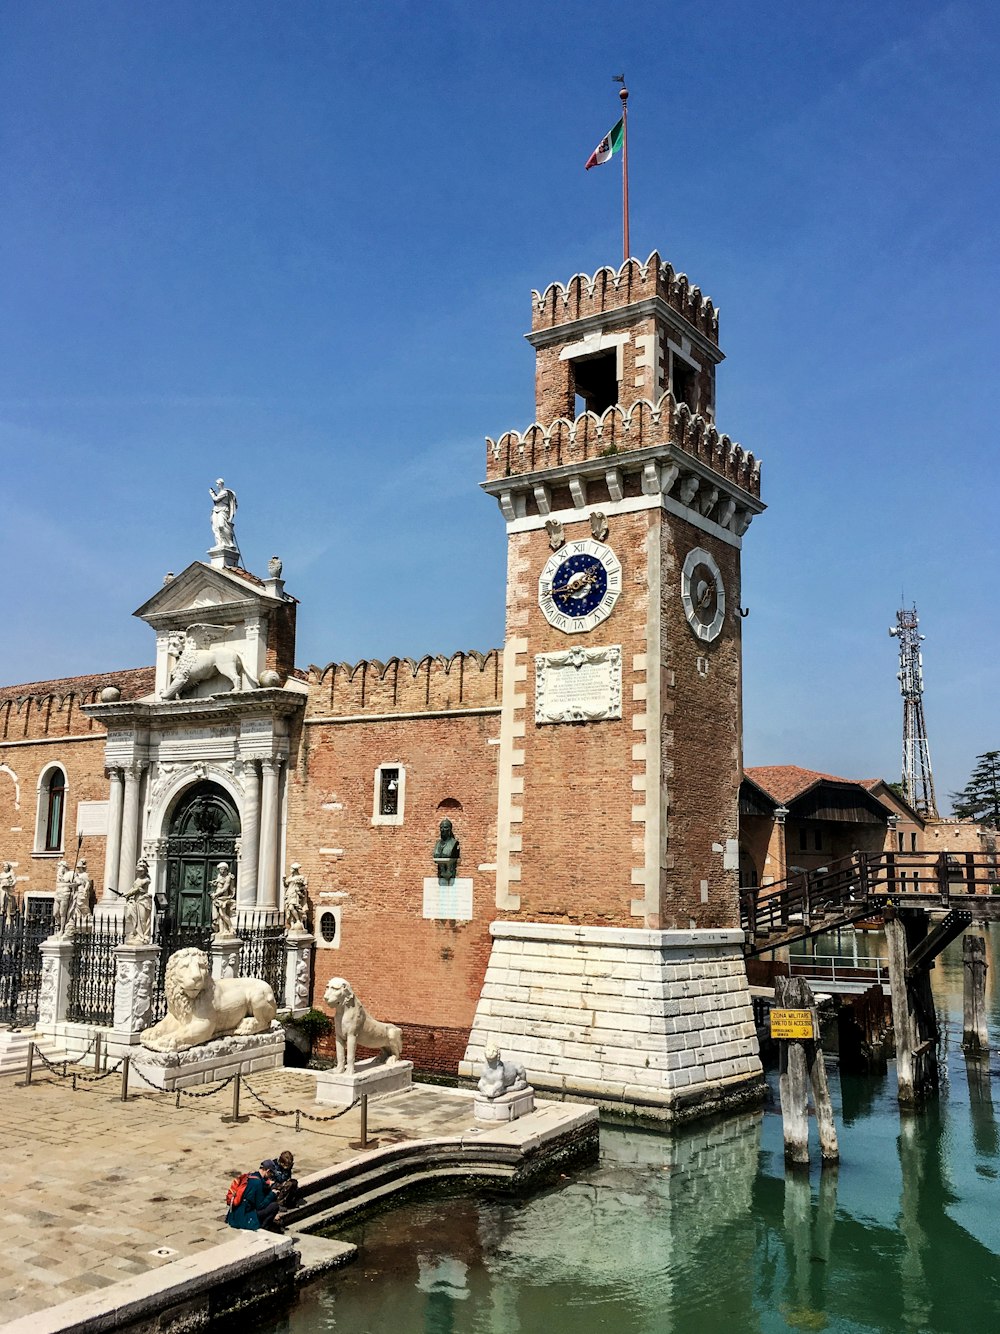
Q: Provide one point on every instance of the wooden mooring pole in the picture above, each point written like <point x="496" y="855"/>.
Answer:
<point x="975" y="1038"/>
<point x="914" y="1020"/>
<point x="795" y="1023"/>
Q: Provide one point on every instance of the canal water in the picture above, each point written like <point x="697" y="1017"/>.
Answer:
<point x="703" y="1232"/>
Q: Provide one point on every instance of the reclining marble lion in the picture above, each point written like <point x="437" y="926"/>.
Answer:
<point x="200" y="1007"/>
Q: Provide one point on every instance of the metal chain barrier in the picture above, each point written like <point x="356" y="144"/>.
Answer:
<point x="297" y="1111"/>
<point x="208" y="1093"/>
<point x="96" y="1079"/>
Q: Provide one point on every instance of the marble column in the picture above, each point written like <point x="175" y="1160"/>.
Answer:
<point x="113" y="849"/>
<point x="130" y="824"/>
<point x="246" y="892"/>
<point x="267" y="879"/>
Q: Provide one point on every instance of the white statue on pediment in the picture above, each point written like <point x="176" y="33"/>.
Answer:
<point x="223" y="515"/>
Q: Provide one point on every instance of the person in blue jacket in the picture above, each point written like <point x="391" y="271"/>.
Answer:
<point x="259" y="1204"/>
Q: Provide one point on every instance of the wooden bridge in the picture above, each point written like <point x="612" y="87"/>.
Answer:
<point x="926" y="901"/>
<point x="864" y="885"/>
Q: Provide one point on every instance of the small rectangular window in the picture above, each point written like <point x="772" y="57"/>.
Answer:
<point x="899" y="841"/>
<point x="803" y="840"/>
<point x="818" y="840"/>
<point x="595" y="380"/>
<point x="913" y="842"/>
<point x="389" y="794"/>
<point x="684" y="382"/>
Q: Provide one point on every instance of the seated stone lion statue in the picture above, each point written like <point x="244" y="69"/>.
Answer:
<point x="200" y="1008"/>
<point x="353" y="1024"/>
<point x="499" y="1076"/>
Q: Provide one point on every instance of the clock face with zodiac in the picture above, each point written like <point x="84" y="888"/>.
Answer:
<point x="579" y="586"/>
<point x="703" y="594"/>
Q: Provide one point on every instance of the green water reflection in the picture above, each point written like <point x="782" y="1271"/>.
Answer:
<point x="703" y="1232"/>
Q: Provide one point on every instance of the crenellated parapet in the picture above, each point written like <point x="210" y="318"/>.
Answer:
<point x="463" y="681"/>
<point x="611" y="289"/>
<point x="42" y="710"/>
<point x="617" y="431"/>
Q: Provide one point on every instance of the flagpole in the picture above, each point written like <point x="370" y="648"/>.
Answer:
<point x="624" y="97"/>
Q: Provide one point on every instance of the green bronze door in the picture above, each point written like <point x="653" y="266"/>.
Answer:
<point x="203" y="832"/>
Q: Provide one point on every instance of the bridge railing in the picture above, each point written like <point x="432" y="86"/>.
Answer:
<point x="836" y="968"/>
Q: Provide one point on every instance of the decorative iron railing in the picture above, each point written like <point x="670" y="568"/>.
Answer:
<point x="21" y="934"/>
<point x="262" y="931"/>
<point x="170" y="939"/>
<point x="92" y="972"/>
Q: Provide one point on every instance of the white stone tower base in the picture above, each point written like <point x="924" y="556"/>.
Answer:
<point x="658" y="1023"/>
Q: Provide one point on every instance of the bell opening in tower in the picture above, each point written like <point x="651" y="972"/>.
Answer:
<point x="595" y="381"/>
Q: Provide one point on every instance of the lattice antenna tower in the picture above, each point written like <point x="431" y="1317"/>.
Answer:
<point x="918" y="780"/>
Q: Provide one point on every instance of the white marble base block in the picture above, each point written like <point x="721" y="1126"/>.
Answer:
<point x="371" y="1076"/>
<point x="245" y="1054"/>
<point x="659" y="1022"/>
<point x="508" y="1107"/>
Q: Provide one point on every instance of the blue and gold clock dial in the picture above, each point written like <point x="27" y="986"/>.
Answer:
<point x="579" y="586"/>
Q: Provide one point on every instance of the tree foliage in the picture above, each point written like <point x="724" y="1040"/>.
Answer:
<point x="980" y="798"/>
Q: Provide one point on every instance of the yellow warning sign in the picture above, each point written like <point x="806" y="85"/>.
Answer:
<point x="792" y="1024"/>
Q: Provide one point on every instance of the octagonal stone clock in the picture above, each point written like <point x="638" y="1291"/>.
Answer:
<point x="703" y="594"/>
<point x="579" y="586"/>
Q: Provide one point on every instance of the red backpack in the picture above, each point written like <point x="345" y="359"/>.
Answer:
<point x="237" y="1189"/>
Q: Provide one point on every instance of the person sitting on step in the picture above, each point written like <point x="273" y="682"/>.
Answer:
<point x="259" y="1204"/>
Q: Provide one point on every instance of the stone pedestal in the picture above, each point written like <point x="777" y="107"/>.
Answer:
<point x="53" y="993"/>
<point x="373" y="1077"/>
<point x="657" y="1022"/>
<point x="508" y="1107"/>
<point x="226" y="952"/>
<point x="135" y="982"/>
<point x="243" y="1054"/>
<point x="299" y="946"/>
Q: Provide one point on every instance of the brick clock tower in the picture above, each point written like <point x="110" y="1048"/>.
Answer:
<point x="616" y="969"/>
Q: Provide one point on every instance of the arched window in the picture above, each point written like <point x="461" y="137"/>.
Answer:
<point x="51" y="810"/>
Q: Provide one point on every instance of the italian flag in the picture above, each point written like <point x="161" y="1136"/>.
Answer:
<point x="608" y="146"/>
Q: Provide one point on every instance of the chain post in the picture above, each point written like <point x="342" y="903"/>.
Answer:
<point x="97" y="1053"/>
<point x="235" y="1118"/>
<point x="364" y="1120"/>
<point x="298" y="1119"/>
<point x="126" y="1060"/>
<point x="29" y="1066"/>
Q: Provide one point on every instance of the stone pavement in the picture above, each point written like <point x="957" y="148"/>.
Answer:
<point x="94" y="1186"/>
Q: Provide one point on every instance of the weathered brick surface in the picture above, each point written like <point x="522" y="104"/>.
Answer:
<point x="42" y="723"/>
<point x="422" y="973"/>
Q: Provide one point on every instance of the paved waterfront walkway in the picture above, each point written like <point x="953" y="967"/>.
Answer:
<point x="93" y="1186"/>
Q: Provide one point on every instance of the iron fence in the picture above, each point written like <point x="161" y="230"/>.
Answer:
<point x="171" y="938"/>
<point x="21" y="934"/>
<point x="92" y="972"/>
<point x="263" y="934"/>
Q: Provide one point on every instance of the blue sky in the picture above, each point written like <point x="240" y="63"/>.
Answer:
<point x="293" y="245"/>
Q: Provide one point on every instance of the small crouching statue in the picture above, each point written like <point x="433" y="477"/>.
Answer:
<point x="296" y="901"/>
<point x="447" y="852"/>
<point x="499" y="1077"/>
<point x="223" y="902"/>
<point x="353" y="1024"/>
<point x="139" y="907"/>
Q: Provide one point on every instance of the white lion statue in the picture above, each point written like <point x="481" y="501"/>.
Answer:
<point x="199" y="657"/>
<point x="353" y="1024"/>
<point x="200" y="1007"/>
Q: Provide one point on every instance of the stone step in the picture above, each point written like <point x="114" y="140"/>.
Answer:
<point x="356" y="1200"/>
<point x="14" y="1051"/>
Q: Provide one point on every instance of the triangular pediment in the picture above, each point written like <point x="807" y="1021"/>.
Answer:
<point x="202" y="588"/>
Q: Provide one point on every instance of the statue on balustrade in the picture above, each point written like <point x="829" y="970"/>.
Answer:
<point x="63" y="897"/>
<point x="81" y="913"/>
<point x="223" y="902"/>
<point x="296" y="901"/>
<point x="8" y="891"/>
<point x="139" y="907"/>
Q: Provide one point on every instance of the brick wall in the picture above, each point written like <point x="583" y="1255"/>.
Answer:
<point x="42" y="724"/>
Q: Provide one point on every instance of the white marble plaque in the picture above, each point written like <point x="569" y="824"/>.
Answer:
<point x="580" y="685"/>
<point x="92" y="818"/>
<point x="451" y="902"/>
